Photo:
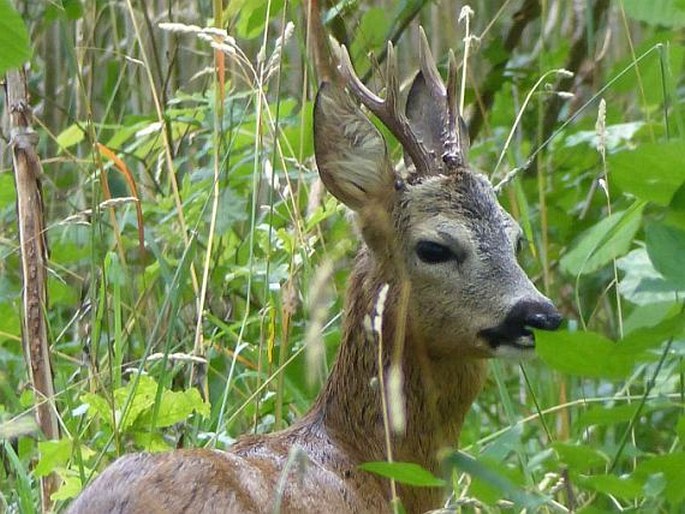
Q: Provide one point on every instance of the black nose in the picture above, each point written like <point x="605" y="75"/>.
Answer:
<point x="515" y="330"/>
<point x="527" y="314"/>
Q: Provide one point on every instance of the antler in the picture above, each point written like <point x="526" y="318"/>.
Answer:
<point x="452" y="143"/>
<point x="387" y="110"/>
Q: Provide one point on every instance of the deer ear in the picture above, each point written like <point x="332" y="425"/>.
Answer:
<point x="428" y="115"/>
<point x="425" y="115"/>
<point x="350" y="152"/>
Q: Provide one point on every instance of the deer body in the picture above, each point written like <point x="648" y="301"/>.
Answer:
<point x="456" y="295"/>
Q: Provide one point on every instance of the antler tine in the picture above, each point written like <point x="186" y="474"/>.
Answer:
<point x="453" y="155"/>
<point x="451" y="86"/>
<point x="392" y="89"/>
<point x="387" y="110"/>
<point x="428" y="67"/>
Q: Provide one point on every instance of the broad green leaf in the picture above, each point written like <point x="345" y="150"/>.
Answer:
<point x="70" y="136"/>
<point x="626" y="488"/>
<point x="97" y="405"/>
<point x="653" y="171"/>
<point x="69" y="9"/>
<point x="152" y="442"/>
<point x="142" y="400"/>
<point x="10" y="323"/>
<point x="578" y="457"/>
<point x="232" y="208"/>
<point x="672" y="467"/>
<point x="608" y="239"/>
<point x="52" y="454"/>
<point x="14" y="39"/>
<point x="253" y="17"/>
<point x="651" y="73"/>
<point x="70" y="487"/>
<point x="371" y="33"/>
<point x="8" y="193"/>
<point x="589" y="354"/>
<point x="666" y="249"/>
<point x="404" y="472"/>
<point x="614" y="136"/>
<point x="584" y="354"/>
<point x="485" y="474"/>
<point x="177" y="406"/>
<point x="603" y="415"/>
<point x="647" y="338"/>
<point x="680" y="428"/>
<point x="642" y="283"/>
<point x="666" y="13"/>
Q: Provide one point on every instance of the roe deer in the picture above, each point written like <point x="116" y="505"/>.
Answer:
<point x="439" y="239"/>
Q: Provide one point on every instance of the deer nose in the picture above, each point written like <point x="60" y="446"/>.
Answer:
<point x="542" y="315"/>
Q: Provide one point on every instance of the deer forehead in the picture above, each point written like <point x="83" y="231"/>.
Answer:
<point x="465" y="201"/>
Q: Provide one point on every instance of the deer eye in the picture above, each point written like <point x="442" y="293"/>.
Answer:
<point x="434" y="253"/>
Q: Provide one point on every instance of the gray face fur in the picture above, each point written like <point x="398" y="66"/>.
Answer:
<point x="445" y="232"/>
<point x="458" y="298"/>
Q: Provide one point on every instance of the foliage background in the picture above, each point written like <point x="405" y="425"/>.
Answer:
<point x="236" y="227"/>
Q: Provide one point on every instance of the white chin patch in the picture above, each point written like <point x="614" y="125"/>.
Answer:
<point x="522" y="349"/>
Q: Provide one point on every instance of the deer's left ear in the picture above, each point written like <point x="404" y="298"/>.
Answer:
<point x="351" y="154"/>
<point x="429" y="116"/>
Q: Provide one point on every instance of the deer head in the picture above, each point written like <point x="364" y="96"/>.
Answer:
<point x="440" y="225"/>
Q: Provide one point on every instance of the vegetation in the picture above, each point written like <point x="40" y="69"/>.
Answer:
<point x="196" y="266"/>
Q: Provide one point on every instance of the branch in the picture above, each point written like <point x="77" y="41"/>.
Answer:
<point x="33" y="249"/>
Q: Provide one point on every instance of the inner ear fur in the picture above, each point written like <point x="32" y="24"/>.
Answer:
<point x="350" y="152"/>
<point x="429" y="118"/>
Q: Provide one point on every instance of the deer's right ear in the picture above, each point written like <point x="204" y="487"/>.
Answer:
<point x="351" y="154"/>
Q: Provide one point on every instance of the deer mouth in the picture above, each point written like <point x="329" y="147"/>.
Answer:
<point x="500" y="337"/>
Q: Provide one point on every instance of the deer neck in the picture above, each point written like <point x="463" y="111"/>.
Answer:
<point x="437" y="394"/>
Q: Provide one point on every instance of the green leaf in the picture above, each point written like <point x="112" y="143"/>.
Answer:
<point x="14" y="39"/>
<point x="608" y="239"/>
<point x="10" y="324"/>
<point x="70" y="136"/>
<point x="666" y="248"/>
<point x="627" y="488"/>
<point x="589" y="354"/>
<point x="177" y="406"/>
<point x="603" y="415"/>
<point x="98" y="406"/>
<point x="680" y="428"/>
<point x="64" y="9"/>
<point x="653" y="171"/>
<point x="70" y="487"/>
<point x="580" y="458"/>
<point x="73" y="9"/>
<point x="584" y="354"/>
<point x="52" y="454"/>
<point x="646" y="338"/>
<point x="667" y="13"/>
<point x="495" y="480"/>
<point x="404" y="472"/>
<point x="672" y="467"/>
<point x="8" y="193"/>
<point x="642" y="283"/>
<point x="143" y="398"/>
